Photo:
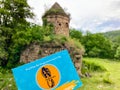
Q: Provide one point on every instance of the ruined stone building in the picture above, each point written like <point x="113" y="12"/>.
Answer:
<point x="57" y="16"/>
<point x="60" y="20"/>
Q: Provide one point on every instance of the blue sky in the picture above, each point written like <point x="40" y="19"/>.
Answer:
<point x="86" y="15"/>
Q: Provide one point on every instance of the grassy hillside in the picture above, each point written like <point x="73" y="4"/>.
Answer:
<point x="113" y="35"/>
<point x="106" y="80"/>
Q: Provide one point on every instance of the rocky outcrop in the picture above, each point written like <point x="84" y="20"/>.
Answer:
<point x="39" y="50"/>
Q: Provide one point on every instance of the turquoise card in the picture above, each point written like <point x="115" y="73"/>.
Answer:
<point x="54" y="72"/>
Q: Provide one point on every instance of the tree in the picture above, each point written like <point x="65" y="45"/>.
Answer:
<point x="96" y="45"/>
<point x="76" y="34"/>
<point x="118" y="40"/>
<point x="21" y="39"/>
<point x="13" y="14"/>
<point x="94" y="52"/>
<point x="3" y="53"/>
<point x="117" y="55"/>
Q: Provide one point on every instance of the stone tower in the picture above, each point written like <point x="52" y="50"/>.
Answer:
<point x="60" y="20"/>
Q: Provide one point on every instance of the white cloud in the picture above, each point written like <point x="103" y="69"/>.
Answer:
<point x="85" y="14"/>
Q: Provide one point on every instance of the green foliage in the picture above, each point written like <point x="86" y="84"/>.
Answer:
<point x="55" y="11"/>
<point x="23" y="38"/>
<point x="63" y="40"/>
<point x="114" y="36"/>
<point x="90" y="66"/>
<point x="106" y="78"/>
<point x="47" y="38"/>
<point x="6" y="80"/>
<point x="3" y="53"/>
<point x="76" y="34"/>
<point x="59" y="39"/>
<point x="13" y="14"/>
<point x="118" y="40"/>
<point x="94" y="52"/>
<point x="96" y="45"/>
<point x="48" y="29"/>
<point x="45" y="22"/>
<point x="117" y="55"/>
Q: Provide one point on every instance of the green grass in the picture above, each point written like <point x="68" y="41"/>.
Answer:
<point x="107" y="80"/>
<point x="100" y="80"/>
<point x="6" y="80"/>
<point x="92" y="66"/>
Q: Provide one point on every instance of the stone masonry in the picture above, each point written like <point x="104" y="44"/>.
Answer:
<point x="59" y="19"/>
<point x="36" y="51"/>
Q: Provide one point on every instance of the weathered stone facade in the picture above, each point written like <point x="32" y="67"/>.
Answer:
<point x="36" y="51"/>
<point x="30" y="53"/>
<point x="60" y="23"/>
<point x="59" y="19"/>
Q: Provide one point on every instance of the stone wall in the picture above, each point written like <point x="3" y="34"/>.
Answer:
<point x="61" y="24"/>
<point x="37" y="50"/>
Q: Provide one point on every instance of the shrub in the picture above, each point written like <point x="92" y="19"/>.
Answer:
<point x="90" y="66"/>
<point x="20" y="40"/>
<point x="117" y="55"/>
<point x="94" y="52"/>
